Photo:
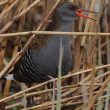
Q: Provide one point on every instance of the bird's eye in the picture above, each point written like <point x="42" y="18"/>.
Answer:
<point x="71" y="7"/>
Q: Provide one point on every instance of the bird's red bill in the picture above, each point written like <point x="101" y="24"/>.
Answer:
<point x="80" y="14"/>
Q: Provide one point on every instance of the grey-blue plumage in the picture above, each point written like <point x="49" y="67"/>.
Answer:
<point x="37" y="64"/>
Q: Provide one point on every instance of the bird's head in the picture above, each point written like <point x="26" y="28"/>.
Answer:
<point x="68" y="12"/>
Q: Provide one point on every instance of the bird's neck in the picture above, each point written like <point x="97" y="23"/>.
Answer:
<point x="63" y="23"/>
<point x="66" y="26"/>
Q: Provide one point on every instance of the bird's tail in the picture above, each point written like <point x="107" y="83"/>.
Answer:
<point x="9" y="77"/>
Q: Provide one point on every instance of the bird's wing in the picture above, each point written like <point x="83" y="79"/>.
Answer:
<point x="42" y="39"/>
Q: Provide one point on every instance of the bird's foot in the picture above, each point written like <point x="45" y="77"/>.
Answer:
<point x="31" y="104"/>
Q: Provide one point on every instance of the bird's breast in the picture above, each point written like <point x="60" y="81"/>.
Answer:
<point x="48" y="55"/>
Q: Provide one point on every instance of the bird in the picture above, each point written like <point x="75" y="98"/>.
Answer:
<point x="41" y="59"/>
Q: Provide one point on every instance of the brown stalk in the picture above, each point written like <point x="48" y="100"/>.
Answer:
<point x="8" y="82"/>
<point x="92" y="85"/>
<point x="88" y="22"/>
<point x="55" y="33"/>
<point x="19" y="15"/>
<point x="67" y="76"/>
<point x="3" y="2"/>
<point x="6" y="10"/>
<point x="104" y="84"/>
<point x="3" y="42"/>
<point x="18" y="55"/>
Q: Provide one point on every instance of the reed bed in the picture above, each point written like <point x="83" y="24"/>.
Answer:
<point x="21" y="21"/>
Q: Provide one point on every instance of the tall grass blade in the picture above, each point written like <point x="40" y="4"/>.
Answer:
<point x="107" y="97"/>
<point x="59" y="77"/>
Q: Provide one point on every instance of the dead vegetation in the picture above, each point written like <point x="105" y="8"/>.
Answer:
<point x="21" y="21"/>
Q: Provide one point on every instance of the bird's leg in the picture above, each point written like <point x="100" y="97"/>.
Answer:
<point x="30" y="99"/>
<point x="50" y="86"/>
<point x="53" y="95"/>
<point x="67" y="82"/>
